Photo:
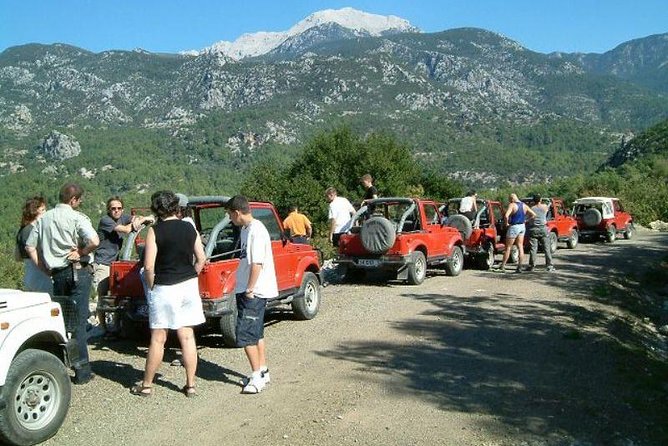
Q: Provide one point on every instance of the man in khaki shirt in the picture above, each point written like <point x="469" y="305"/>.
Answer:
<point x="61" y="244"/>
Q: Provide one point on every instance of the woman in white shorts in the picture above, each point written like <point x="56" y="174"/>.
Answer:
<point x="171" y="276"/>
<point x="514" y="218"/>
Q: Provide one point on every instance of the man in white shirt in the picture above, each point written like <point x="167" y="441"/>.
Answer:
<point x="255" y="283"/>
<point x="340" y="213"/>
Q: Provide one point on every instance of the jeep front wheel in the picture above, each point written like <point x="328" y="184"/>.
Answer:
<point x="417" y="270"/>
<point x="553" y="241"/>
<point x="307" y="305"/>
<point x="455" y="264"/>
<point x="486" y="260"/>
<point x="628" y="232"/>
<point x="611" y="234"/>
<point x="228" y="324"/>
<point x="37" y="394"/>
<point x="572" y="241"/>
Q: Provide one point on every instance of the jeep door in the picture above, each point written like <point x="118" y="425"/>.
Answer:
<point x="499" y="226"/>
<point x="563" y="221"/>
<point x="435" y="230"/>
<point x="286" y="255"/>
<point x="621" y="218"/>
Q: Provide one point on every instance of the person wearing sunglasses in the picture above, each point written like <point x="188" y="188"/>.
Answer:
<point x="111" y="229"/>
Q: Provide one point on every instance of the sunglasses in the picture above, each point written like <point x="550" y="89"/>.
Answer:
<point x="115" y="209"/>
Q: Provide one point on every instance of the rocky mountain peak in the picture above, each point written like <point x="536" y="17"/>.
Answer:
<point x="359" y="22"/>
<point x="59" y="146"/>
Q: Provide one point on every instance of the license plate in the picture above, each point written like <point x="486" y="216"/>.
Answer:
<point x="368" y="262"/>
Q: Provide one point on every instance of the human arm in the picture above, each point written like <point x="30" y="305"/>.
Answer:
<point x="150" y="253"/>
<point x="529" y="211"/>
<point x="332" y="226"/>
<point x="200" y="256"/>
<point x="309" y="229"/>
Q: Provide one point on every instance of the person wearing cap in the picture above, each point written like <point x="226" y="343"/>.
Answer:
<point x="185" y="213"/>
<point x="538" y="234"/>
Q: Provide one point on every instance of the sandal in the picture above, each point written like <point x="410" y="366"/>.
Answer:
<point x="141" y="390"/>
<point x="189" y="391"/>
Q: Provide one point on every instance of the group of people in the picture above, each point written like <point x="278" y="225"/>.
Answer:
<point x="519" y="218"/>
<point x="64" y="256"/>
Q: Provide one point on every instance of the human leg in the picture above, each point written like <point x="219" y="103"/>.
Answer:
<point x="156" y="350"/>
<point x="189" y="351"/>
<point x="520" y="247"/>
<point x="510" y="241"/>
<point x="548" y="251"/>
<point x="533" y="249"/>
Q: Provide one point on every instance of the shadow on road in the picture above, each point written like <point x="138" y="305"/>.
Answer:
<point x="553" y="369"/>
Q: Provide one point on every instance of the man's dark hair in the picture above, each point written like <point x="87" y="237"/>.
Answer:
<point x="537" y="198"/>
<point x="164" y="204"/>
<point x="114" y="198"/>
<point x="293" y="207"/>
<point x="69" y="191"/>
<point x="238" y="203"/>
<point x="470" y="193"/>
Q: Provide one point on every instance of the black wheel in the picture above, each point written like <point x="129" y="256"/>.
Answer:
<point x="454" y="266"/>
<point x="552" y="241"/>
<point x="486" y="261"/>
<point x="37" y="394"/>
<point x="611" y="234"/>
<point x="131" y="329"/>
<point x="228" y="323"/>
<point x="307" y="306"/>
<point x="573" y="239"/>
<point x="417" y="270"/>
<point x="629" y="231"/>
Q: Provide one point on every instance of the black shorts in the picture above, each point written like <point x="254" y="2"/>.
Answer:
<point x="250" y="321"/>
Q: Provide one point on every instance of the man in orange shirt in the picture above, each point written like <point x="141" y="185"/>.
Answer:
<point x="299" y="226"/>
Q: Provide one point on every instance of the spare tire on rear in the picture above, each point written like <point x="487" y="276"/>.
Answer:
<point x="592" y="217"/>
<point x="462" y="224"/>
<point x="377" y="235"/>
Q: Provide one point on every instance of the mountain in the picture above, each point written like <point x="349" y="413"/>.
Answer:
<point x="352" y="22"/>
<point x="652" y="142"/>
<point x="641" y="61"/>
<point x="469" y="102"/>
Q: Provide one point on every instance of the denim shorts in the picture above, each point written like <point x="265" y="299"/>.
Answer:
<point x="515" y="231"/>
<point x="250" y="321"/>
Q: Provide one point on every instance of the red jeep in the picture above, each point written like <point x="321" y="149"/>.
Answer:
<point x="602" y="217"/>
<point x="561" y="227"/>
<point x="485" y="235"/>
<point x="402" y="236"/>
<point x="297" y="270"/>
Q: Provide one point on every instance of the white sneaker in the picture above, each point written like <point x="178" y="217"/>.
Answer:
<point x="263" y="373"/>
<point x="255" y="385"/>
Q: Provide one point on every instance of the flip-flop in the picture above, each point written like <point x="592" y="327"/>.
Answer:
<point x="141" y="390"/>
<point x="189" y="391"/>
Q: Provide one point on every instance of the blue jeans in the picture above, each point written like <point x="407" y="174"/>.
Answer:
<point x="78" y="291"/>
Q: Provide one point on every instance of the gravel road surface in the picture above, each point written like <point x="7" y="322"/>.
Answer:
<point x="481" y="359"/>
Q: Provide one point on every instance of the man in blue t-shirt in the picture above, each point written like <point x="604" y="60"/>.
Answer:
<point x="111" y="230"/>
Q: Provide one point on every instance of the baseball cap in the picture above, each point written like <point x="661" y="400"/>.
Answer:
<point x="183" y="200"/>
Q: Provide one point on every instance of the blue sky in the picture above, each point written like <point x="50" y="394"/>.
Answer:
<point x="172" y="26"/>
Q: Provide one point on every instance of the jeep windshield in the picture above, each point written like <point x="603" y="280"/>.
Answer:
<point x="399" y="211"/>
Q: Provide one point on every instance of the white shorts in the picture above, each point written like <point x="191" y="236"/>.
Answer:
<point x="175" y="306"/>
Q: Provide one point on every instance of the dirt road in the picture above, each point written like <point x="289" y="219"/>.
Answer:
<point x="481" y="359"/>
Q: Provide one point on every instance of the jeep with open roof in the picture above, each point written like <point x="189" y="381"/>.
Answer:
<point x="484" y="236"/>
<point x="602" y="217"/>
<point x="402" y="237"/>
<point x="297" y="270"/>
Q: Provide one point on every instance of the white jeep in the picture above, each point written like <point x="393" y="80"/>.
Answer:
<point x="35" y="384"/>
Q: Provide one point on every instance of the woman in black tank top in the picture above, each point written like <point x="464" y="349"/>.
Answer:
<point x="174" y="256"/>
